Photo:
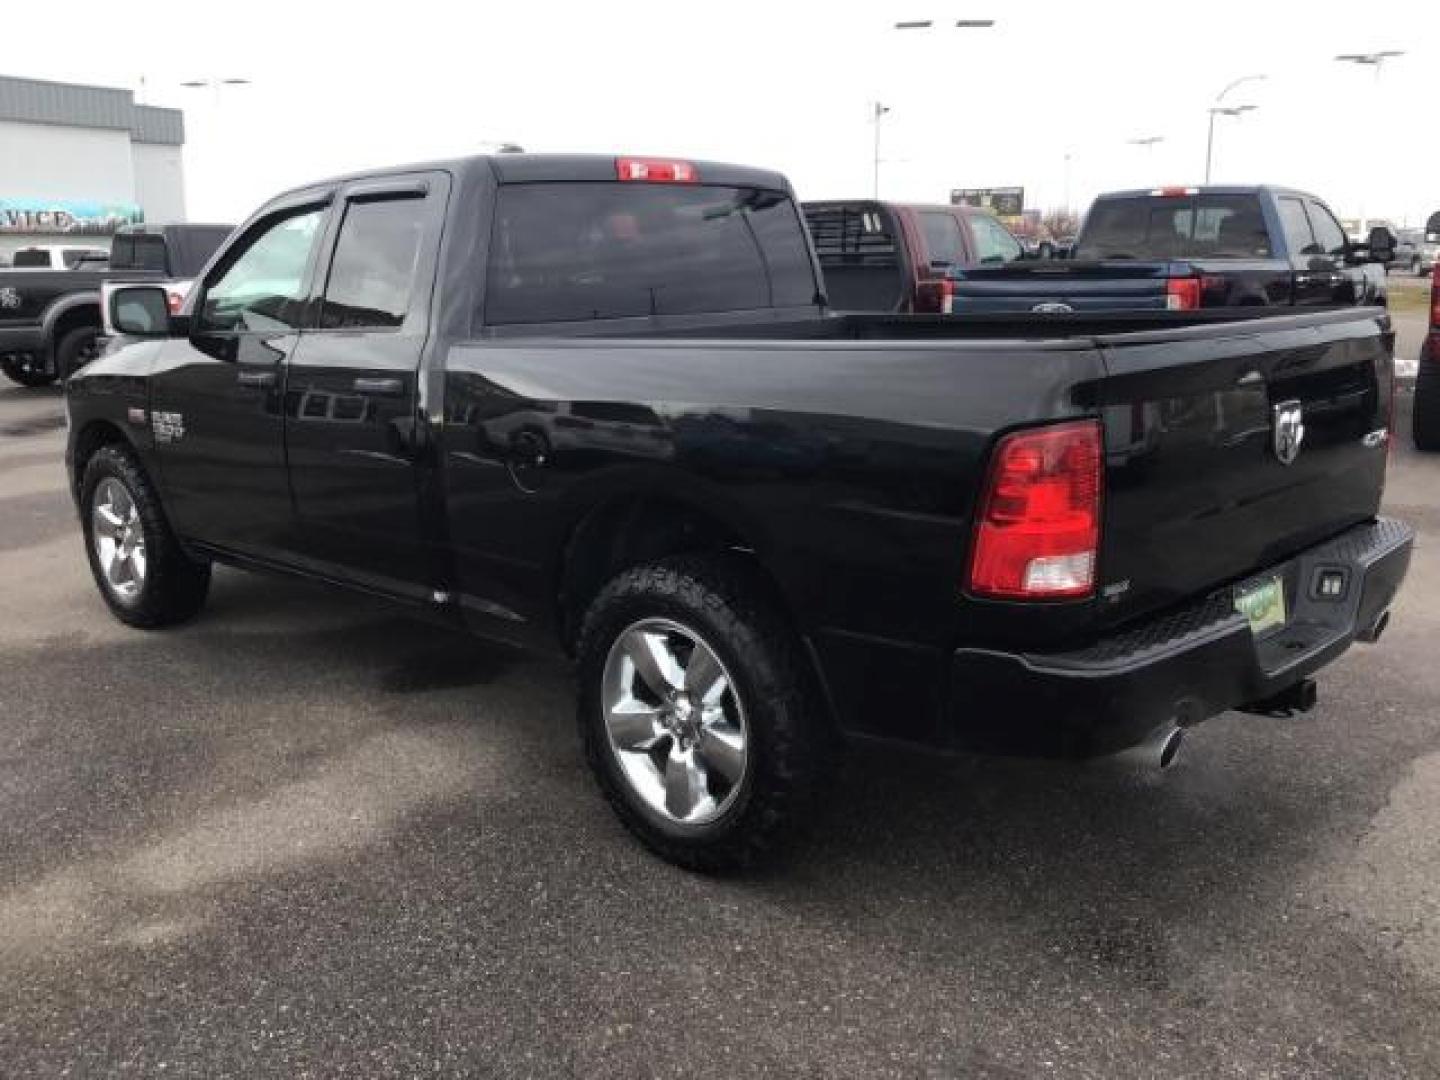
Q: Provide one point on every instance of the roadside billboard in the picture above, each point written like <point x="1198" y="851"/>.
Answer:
<point x="1006" y="202"/>
<point x="65" y="217"/>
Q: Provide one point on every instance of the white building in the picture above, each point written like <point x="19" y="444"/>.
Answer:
<point x="77" y="161"/>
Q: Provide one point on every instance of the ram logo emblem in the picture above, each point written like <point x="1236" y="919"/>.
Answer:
<point x="1289" y="431"/>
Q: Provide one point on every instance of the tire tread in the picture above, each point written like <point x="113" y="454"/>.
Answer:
<point x="175" y="586"/>
<point x="796" y="748"/>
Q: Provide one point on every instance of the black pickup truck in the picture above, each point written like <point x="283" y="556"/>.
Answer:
<point x="50" y="319"/>
<point x="598" y="405"/>
<point x="1183" y="248"/>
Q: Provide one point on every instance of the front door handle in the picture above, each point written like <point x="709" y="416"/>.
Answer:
<point x="380" y="387"/>
<point x="256" y="378"/>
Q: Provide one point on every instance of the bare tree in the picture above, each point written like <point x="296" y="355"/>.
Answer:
<point x="1061" y="222"/>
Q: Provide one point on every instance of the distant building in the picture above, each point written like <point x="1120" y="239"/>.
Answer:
<point x="78" y="161"/>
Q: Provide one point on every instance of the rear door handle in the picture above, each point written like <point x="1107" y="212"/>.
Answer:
<point x="380" y="387"/>
<point x="256" y="378"/>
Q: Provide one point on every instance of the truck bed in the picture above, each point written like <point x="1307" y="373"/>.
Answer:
<point x="899" y="413"/>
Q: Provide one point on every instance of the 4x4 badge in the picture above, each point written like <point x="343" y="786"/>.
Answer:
<point x="1289" y="431"/>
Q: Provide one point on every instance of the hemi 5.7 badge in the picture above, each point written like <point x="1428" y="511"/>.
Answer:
<point x="167" y="426"/>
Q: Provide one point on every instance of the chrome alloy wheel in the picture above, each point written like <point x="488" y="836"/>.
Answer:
<point x="119" y="539"/>
<point x="674" y="721"/>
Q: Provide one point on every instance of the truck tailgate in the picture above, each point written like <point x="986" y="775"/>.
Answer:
<point x="1198" y="489"/>
<point x="1080" y="286"/>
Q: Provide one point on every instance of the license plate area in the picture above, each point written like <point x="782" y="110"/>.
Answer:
<point x="1262" y="602"/>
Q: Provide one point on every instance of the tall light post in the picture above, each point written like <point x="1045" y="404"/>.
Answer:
<point x="208" y="154"/>
<point x="1221" y="110"/>
<point x="1375" y="60"/>
<point x="1217" y="108"/>
<point x="215" y="84"/>
<point x="1372" y="59"/>
<point x="1148" y="142"/>
<point x="880" y="110"/>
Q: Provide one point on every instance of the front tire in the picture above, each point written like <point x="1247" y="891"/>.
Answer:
<point x="696" y="712"/>
<point x="76" y="349"/>
<point x="143" y="575"/>
<point x="27" y="369"/>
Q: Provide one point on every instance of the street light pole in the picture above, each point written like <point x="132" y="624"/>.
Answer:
<point x="215" y="84"/>
<point x="881" y="110"/>
<point x="1221" y="110"/>
<point x="1377" y="61"/>
<point x="1216" y="107"/>
<point x="1148" y="142"/>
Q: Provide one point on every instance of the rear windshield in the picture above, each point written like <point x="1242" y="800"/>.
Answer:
<point x="1157" y="228"/>
<point x="138" y="252"/>
<point x="565" y="252"/>
<point x="851" y="236"/>
<point x="192" y="245"/>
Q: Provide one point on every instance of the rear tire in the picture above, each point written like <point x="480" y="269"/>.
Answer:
<point x="143" y="575"/>
<point x="27" y="369"/>
<point x="76" y="349"/>
<point x="1425" y="420"/>
<point x="747" y="760"/>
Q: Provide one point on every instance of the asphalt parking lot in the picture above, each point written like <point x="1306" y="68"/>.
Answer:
<point x="303" y="837"/>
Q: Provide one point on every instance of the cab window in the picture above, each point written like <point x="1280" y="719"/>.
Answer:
<point x="373" y="271"/>
<point x="1328" y="234"/>
<point x="1295" y="223"/>
<point x="993" y="242"/>
<point x="262" y="288"/>
<point x="942" y="237"/>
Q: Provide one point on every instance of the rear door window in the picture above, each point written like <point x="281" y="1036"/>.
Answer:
<point x="563" y="252"/>
<point x="1328" y="233"/>
<point x="373" y="269"/>
<point x="942" y="237"/>
<point x="1299" y="238"/>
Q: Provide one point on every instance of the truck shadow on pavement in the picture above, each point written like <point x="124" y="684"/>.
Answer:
<point x="301" y="774"/>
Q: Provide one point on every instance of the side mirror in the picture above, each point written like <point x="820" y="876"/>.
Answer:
<point x="1381" y="244"/>
<point x="140" y="311"/>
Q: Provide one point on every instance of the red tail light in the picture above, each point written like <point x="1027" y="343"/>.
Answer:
<point x="1037" y="534"/>
<point x="1182" y="294"/>
<point x="947" y="296"/>
<point x="656" y="171"/>
<point x="1435" y="297"/>
<point x="174" y="301"/>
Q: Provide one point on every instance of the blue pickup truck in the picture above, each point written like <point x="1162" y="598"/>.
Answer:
<point x="1185" y="248"/>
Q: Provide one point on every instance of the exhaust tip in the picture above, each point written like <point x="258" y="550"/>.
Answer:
<point x="1170" y="747"/>
<point x="1377" y="628"/>
<point x="1306" y="695"/>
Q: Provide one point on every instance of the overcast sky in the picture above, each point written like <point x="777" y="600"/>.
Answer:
<point x="786" y="84"/>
